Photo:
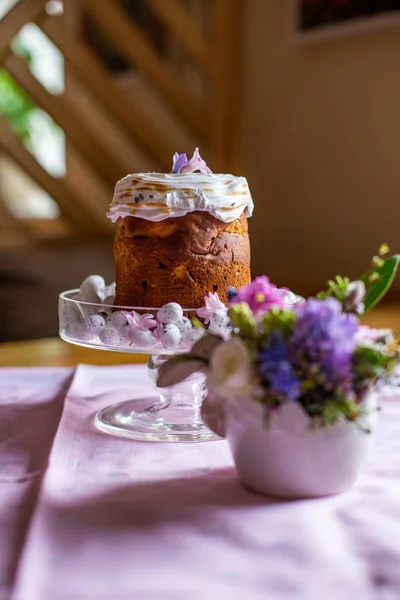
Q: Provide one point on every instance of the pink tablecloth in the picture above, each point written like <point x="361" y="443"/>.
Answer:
<point x="118" y="519"/>
<point x="31" y="402"/>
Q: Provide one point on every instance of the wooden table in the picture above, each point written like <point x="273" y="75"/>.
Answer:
<point x="55" y="352"/>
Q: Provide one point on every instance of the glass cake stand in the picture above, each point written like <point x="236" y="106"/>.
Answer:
<point x="173" y="414"/>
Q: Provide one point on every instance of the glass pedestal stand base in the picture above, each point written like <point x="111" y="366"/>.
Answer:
<point x="173" y="414"/>
<point x="173" y="417"/>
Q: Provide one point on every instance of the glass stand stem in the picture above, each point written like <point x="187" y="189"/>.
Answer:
<point x="173" y="417"/>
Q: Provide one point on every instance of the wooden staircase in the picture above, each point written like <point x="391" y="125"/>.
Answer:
<point x="184" y="94"/>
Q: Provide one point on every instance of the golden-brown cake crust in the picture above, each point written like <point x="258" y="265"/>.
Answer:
<point x="179" y="259"/>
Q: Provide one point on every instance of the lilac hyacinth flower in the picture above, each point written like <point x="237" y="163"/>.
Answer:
<point x="276" y="370"/>
<point x="323" y="341"/>
<point x="181" y="163"/>
<point x="139" y="322"/>
<point x="212" y="304"/>
<point x="261" y="295"/>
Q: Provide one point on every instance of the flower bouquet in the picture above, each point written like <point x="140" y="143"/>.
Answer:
<point x="293" y="382"/>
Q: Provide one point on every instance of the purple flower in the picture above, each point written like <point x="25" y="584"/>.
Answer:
<point x="139" y="322"/>
<point x="275" y="352"/>
<point x="323" y="341"/>
<point x="285" y="381"/>
<point x="275" y="369"/>
<point x="181" y="163"/>
<point x="178" y="162"/>
<point x="261" y="295"/>
<point x="231" y="293"/>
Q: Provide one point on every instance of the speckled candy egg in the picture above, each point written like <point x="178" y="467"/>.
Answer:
<point x="144" y="339"/>
<point x="109" y="336"/>
<point x="192" y="336"/>
<point x="184" y="324"/>
<point x="170" y="313"/>
<point x="87" y="310"/>
<point x="95" y="323"/>
<point x="219" y="323"/>
<point x="170" y="335"/>
<point x="116" y="320"/>
<point x="81" y="333"/>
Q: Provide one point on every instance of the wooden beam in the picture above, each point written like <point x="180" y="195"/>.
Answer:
<point x="25" y="11"/>
<point x="184" y="28"/>
<point x="92" y="73"/>
<point x="129" y="40"/>
<point x="225" y="19"/>
<point x="9" y="220"/>
<point x="49" y="229"/>
<point x="100" y="122"/>
<point x="58" y="107"/>
<point x="234" y="132"/>
<point x="69" y="206"/>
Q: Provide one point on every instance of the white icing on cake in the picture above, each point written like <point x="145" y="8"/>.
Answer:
<point x="159" y="196"/>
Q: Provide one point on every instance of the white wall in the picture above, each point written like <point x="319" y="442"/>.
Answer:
<point x="322" y="146"/>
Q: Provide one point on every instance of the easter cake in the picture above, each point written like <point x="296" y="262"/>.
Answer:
<point x="180" y="235"/>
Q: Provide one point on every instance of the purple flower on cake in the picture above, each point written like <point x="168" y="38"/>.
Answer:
<point x="181" y="163"/>
<point x="323" y="342"/>
<point x="261" y="295"/>
<point x="139" y="322"/>
<point x="212" y="304"/>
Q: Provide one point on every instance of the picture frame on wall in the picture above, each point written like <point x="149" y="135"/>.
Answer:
<point x="319" y="19"/>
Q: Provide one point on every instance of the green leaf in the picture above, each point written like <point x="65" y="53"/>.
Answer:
<point x="197" y="323"/>
<point x="278" y="318"/>
<point x="368" y="363"/>
<point x="330" y="412"/>
<point x="15" y="105"/>
<point x="242" y="318"/>
<point x="333" y="409"/>
<point x="377" y="289"/>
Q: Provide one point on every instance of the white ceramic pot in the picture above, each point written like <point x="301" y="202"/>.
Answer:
<point x="287" y="458"/>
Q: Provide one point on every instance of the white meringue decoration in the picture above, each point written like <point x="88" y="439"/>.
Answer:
<point x="159" y="196"/>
